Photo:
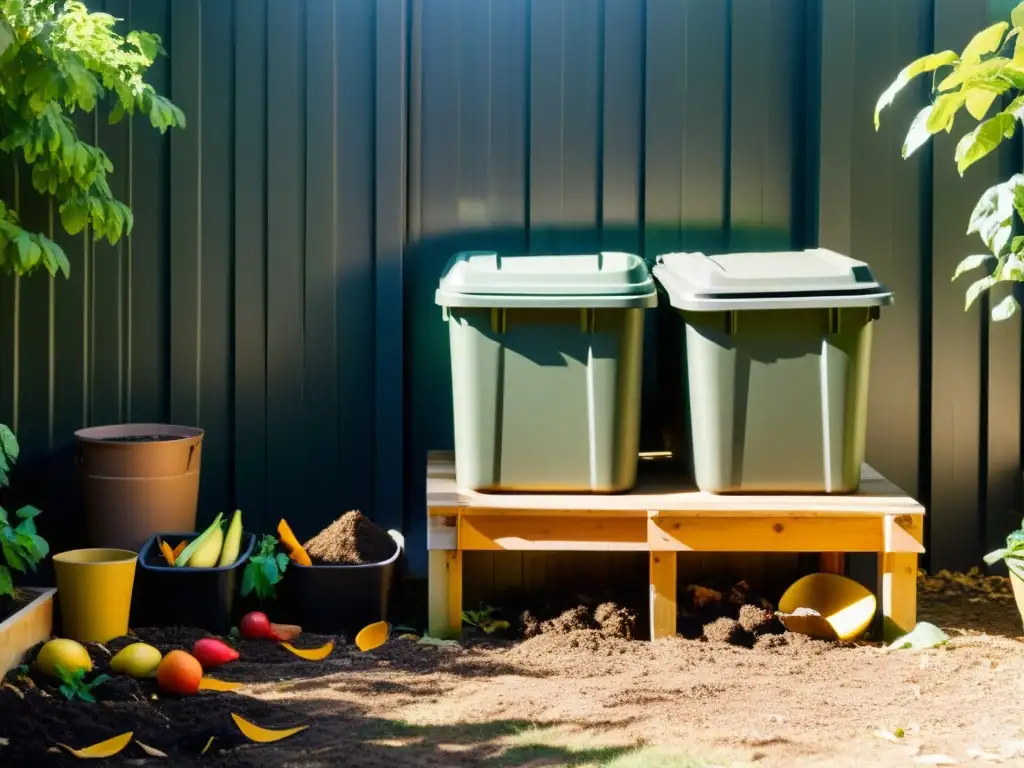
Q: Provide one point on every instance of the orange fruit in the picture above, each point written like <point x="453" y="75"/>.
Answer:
<point x="179" y="673"/>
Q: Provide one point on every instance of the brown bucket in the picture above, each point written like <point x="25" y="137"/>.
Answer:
<point x="138" y="480"/>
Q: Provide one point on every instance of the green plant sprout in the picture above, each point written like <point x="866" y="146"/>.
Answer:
<point x="264" y="570"/>
<point x="1012" y="553"/>
<point x="21" y="547"/>
<point x="991" y="67"/>
<point x="73" y="684"/>
<point x="483" y="619"/>
<point x="58" y="59"/>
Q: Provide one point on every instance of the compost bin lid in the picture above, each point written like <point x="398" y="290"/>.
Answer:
<point x="604" y="279"/>
<point x="815" y="277"/>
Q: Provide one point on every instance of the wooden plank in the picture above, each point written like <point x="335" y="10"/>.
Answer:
<point x="659" y="488"/>
<point x="897" y="577"/>
<point x="444" y="618"/>
<point x="552" y="533"/>
<point x="741" y="533"/>
<point x="443" y="531"/>
<point x="663" y="604"/>
<point x="31" y="625"/>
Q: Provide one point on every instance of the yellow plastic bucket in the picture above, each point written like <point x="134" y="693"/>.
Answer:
<point x="94" y="590"/>
<point x="844" y="607"/>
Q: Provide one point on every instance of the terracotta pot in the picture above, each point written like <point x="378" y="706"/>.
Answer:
<point x="137" y="480"/>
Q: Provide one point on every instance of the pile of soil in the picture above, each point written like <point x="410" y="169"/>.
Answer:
<point x="352" y="539"/>
<point x="35" y="716"/>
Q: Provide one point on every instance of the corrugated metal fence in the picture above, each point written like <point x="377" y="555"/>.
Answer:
<point x="278" y="288"/>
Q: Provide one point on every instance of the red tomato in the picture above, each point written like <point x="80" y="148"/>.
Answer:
<point x="255" y="626"/>
<point x="212" y="652"/>
<point x="179" y="673"/>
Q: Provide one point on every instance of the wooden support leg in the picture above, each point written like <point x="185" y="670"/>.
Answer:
<point x="663" y="594"/>
<point x="445" y="594"/>
<point x="897" y="591"/>
<point x="832" y="562"/>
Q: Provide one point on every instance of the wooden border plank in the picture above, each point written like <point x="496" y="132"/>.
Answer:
<point x="444" y="587"/>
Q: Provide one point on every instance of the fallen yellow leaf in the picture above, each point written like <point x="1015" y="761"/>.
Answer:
<point x="213" y="684"/>
<point x="254" y="732"/>
<point x="310" y="654"/>
<point x="373" y="636"/>
<point x="107" y="748"/>
<point x="209" y="741"/>
<point x="151" y="751"/>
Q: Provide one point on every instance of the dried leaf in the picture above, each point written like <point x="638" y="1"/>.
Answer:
<point x="206" y="746"/>
<point x="12" y="688"/>
<point x="107" y="748"/>
<point x="310" y="654"/>
<point x="213" y="684"/>
<point x="373" y="636"/>
<point x="255" y="733"/>
<point x="151" y="751"/>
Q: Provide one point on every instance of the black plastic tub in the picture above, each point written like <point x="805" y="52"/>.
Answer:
<point x="165" y="596"/>
<point x="329" y="599"/>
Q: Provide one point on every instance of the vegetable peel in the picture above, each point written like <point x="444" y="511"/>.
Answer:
<point x="167" y="552"/>
<point x="373" y="636"/>
<point x="261" y="735"/>
<point x="103" y="749"/>
<point x="310" y="654"/>
<point x="296" y="551"/>
<point x="206" y="746"/>
<point x="151" y="751"/>
<point x="213" y="684"/>
<point x="179" y="549"/>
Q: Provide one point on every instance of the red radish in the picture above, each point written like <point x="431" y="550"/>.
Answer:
<point x="211" y="652"/>
<point x="256" y="626"/>
<point x="285" y="632"/>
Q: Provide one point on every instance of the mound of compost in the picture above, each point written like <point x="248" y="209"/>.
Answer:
<point x="352" y="539"/>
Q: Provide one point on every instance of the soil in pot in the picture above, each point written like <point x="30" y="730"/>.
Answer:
<point x="352" y="539"/>
<point x="11" y="604"/>
<point x="140" y="438"/>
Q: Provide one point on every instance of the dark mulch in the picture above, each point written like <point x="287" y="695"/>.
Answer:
<point x="35" y="717"/>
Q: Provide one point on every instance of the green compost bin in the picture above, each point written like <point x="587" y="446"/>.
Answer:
<point x="546" y="358"/>
<point x="763" y="368"/>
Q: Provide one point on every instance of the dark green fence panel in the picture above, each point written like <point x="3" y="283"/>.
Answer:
<point x="278" y="287"/>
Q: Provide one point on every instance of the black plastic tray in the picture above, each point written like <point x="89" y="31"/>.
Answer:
<point x="331" y="599"/>
<point x="188" y="597"/>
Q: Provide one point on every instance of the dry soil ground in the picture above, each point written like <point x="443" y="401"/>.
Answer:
<point x="583" y="698"/>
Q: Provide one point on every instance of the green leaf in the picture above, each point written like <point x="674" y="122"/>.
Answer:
<point x="924" y="635"/>
<point x="1005" y="309"/>
<point x="918" y="134"/>
<point x="924" y="64"/>
<point x="977" y="288"/>
<point x="992" y="217"/>
<point x="986" y="41"/>
<point x="979" y="101"/>
<point x="28" y="512"/>
<point x="983" y="140"/>
<point x="971" y="262"/>
<point x="247" y="581"/>
<point x="944" y="111"/>
<point x="1017" y="16"/>
<point x="6" y="582"/>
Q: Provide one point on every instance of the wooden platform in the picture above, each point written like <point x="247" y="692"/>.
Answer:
<point x="662" y="517"/>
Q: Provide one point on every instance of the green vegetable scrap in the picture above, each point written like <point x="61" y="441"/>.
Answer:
<point x="1012" y="553"/>
<point x="483" y="619"/>
<point x="74" y="686"/>
<point x="264" y="570"/>
<point x="924" y="635"/>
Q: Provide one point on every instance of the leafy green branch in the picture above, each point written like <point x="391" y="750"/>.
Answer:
<point x="21" y="546"/>
<point x="57" y="59"/>
<point x="74" y="686"/>
<point x="264" y="570"/>
<point x="989" y="69"/>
